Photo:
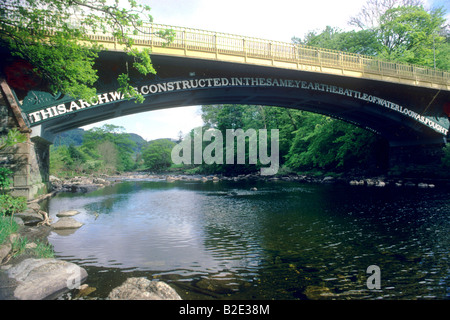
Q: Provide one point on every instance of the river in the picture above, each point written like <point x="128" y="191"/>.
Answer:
<point x="283" y="241"/>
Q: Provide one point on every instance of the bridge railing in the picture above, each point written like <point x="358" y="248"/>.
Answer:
<point x="222" y="43"/>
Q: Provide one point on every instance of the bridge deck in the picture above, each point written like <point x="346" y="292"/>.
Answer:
<point x="194" y="43"/>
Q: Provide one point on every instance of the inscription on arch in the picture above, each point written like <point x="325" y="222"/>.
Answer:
<point x="38" y="116"/>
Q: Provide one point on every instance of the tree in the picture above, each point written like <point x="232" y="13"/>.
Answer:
<point x="118" y="139"/>
<point x="329" y="144"/>
<point x="409" y="34"/>
<point x="370" y="15"/>
<point x="157" y="155"/>
<point x="53" y="36"/>
<point x="362" y="42"/>
<point x="108" y="153"/>
<point x="404" y="31"/>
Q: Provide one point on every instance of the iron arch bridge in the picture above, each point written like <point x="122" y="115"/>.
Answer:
<point x="407" y="104"/>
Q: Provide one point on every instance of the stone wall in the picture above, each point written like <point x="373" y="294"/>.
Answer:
<point x="29" y="160"/>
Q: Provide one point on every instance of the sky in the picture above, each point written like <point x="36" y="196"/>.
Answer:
<point x="278" y="20"/>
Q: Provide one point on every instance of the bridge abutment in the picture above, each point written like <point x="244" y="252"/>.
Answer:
<point x="29" y="161"/>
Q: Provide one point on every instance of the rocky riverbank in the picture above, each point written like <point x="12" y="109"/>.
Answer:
<point x="378" y="181"/>
<point x="81" y="184"/>
<point x="84" y="184"/>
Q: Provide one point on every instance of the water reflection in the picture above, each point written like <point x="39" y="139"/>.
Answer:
<point x="283" y="241"/>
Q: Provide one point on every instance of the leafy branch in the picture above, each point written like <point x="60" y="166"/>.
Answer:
<point x="53" y="35"/>
<point x="14" y="136"/>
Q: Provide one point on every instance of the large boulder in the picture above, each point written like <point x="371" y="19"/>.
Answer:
<point x="29" y="217"/>
<point x="5" y="249"/>
<point x="143" y="289"/>
<point x="40" y="279"/>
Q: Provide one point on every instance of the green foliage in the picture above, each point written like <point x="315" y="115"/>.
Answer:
<point x="409" y="34"/>
<point x="10" y="205"/>
<point x="106" y="149"/>
<point x="362" y="42"/>
<point x="13" y="137"/>
<point x="120" y="147"/>
<point x="7" y="226"/>
<point x="307" y="141"/>
<point x="324" y="143"/>
<point x="44" y="250"/>
<point x="5" y="181"/>
<point x="157" y="155"/>
<point x="46" y="34"/>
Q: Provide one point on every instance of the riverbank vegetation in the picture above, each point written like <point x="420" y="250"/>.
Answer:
<point x="9" y="206"/>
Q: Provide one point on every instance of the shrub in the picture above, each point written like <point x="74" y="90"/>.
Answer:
<point x="5" y="181"/>
<point x="10" y="205"/>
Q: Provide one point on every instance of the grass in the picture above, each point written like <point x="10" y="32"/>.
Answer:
<point x="19" y="245"/>
<point x="7" y="226"/>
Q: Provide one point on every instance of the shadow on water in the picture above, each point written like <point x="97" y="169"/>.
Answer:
<point x="283" y="241"/>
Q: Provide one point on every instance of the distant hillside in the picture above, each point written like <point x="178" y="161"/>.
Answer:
<point x="72" y="137"/>
<point x="75" y="137"/>
<point x="140" y="142"/>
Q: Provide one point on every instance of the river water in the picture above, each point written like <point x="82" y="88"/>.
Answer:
<point x="284" y="241"/>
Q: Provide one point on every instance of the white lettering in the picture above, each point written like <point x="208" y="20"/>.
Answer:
<point x="117" y="95"/>
<point x="62" y="109"/>
<point x="186" y="84"/>
<point x="103" y="98"/>
<point x="162" y="87"/>
<point x="73" y="105"/>
<point x="153" y="89"/>
<point x="36" y="116"/>
<point x="215" y="147"/>
<point x="47" y="113"/>
<point x="144" y="90"/>
<point x="169" y="86"/>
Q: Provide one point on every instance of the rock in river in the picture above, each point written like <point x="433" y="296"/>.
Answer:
<point x="40" y="279"/>
<point x="66" y="223"/>
<point x="143" y="289"/>
<point x="68" y="213"/>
